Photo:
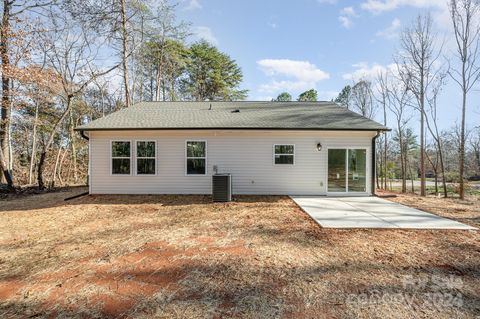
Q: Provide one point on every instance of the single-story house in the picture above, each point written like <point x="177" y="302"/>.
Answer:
<point x="270" y="148"/>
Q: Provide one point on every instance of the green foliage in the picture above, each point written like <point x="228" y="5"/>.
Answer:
<point x="167" y="59"/>
<point x="344" y="97"/>
<point x="308" y="96"/>
<point x="212" y="75"/>
<point x="283" y="97"/>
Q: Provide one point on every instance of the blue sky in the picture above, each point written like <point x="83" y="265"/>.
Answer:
<point x="323" y="44"/>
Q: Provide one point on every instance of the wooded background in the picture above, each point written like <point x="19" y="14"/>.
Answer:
<point x="64" y="63"/>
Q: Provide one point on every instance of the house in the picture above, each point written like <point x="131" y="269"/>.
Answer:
<point x="271" y="148"/>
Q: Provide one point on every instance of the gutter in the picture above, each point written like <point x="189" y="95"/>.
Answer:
<point x="230" y="129"/>
<point x="374" y="162"/>
<point x="82" y="134"/>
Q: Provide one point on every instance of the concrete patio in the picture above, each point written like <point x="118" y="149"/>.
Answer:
<point x="371" y="212"/>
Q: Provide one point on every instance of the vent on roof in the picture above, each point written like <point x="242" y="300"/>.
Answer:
<point x="236" y="111"/>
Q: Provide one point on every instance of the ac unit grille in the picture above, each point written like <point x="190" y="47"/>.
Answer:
<point x="222" y="187"/>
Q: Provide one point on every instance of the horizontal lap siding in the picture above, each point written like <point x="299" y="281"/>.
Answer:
<point x="247" y="156"/>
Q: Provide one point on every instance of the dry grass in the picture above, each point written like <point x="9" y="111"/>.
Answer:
<point x="466" y="211"/>
<point x="185" y="257"/>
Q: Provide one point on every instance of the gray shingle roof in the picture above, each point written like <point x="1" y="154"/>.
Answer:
<point x="251" y="115"/>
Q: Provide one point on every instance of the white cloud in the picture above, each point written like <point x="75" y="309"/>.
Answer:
<point x="289" y="86"/>
<point x="205" y="33"/>
<point x="346" y="22"/>
<point x="391" y="32"/>
<point x="379" y="6"/>
<point x="290" y="75"/>
<point x="364" y="70"/>
<point x="300" y="70"/>
<point x="346" y="17"/>
<point x="273" y="25"/>
<point x="193" y="4"/>
<point x="348" y="11"/>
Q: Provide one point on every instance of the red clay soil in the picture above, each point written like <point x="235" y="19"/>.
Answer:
<point x="185" y="257"/>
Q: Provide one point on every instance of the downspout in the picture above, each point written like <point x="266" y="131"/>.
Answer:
<point x="374" y="162"/>
<point x="82" y="134"/>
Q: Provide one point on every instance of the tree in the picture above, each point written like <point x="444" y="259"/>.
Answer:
<point x="283" y="97"/>
<point x="475" y="146"/>
<point x="164" y="62"/>
<point x="12" y="12"/>
<point x="362" y="99"/>
<point x="212" y="75"/>
<point x="308" y="96"/>
<point x="116" y="21"/>
<point x="431" y="120"/>
<point x="415" y="62"/>
<point x="344" y="97"/>
<point x="465" y="15"/>
<point x="160" y="59"/>
<point x="399" y="99"/>
<point x="70" y="56"/>
<point x="383" y="99"/>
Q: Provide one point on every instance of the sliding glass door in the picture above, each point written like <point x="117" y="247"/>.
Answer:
<point x="347" y="170"/>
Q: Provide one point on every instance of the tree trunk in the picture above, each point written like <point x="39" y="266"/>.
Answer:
<point x="385" y="145"/>
<point x="34" y="146"/>
<point x="125" y="52"/>
<point x="60" y="168"/>
<point x="159" y="84"/>
<point x="41" y="163"/>
<point x="403" y="162"/>
<point x="411" y="176"/>
<point x="48" y="145"/>
<point x="5" y="174"/>
<point x="442" y="168"/>
<point x="74" y="148"/>
<point x="461" y="161"/>
<point x="55" y="168"/>
<point x="422" y="138"/>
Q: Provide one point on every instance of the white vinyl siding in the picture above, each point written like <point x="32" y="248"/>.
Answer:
<point x="247" y="155"/>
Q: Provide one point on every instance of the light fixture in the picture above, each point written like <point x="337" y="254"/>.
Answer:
<point x="319" y="146"/>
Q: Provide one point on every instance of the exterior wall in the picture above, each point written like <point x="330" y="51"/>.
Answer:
<point x="247" y="155"/>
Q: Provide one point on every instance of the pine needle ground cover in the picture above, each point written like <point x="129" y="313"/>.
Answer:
<point x="257" y="257"/>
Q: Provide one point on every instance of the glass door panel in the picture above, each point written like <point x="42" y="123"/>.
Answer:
<point x="357" y="170"/>
<point x="337" y="170"/>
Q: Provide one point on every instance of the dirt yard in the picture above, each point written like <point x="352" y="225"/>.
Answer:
<point x="466" y="211"/>
<point x="258" y="257"/>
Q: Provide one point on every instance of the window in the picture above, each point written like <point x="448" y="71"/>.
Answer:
<point x="284" y="154"/>
<point x="121" y="155"/>
<point x="146" y="157"/>
<point x="196" y="158"/>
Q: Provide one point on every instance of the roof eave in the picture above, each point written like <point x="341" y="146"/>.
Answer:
<point x="79" y="129"/>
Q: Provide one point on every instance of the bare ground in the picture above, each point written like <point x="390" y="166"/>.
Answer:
<point x="258" y="257"/>
<point x="466" y="211"/>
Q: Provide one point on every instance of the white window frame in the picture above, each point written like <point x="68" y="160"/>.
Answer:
<point x="116" y="157"/>
<point x="187" y="158"/>
<point x="139" y="157"/>
<point x="294" y="155"/>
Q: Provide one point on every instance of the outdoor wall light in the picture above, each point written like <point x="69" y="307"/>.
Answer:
<point x="319" y="147"/>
